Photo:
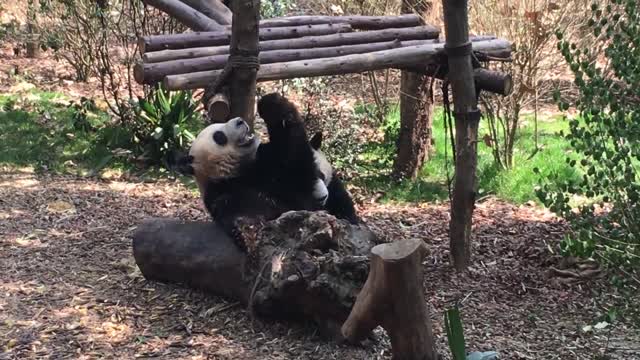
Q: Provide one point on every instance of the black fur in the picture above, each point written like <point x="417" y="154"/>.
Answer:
<point x="281" y="179"/>
<point x="339" y="203"/>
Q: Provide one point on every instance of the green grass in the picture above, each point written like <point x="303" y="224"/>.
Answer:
<point x="41" y="129"/>
<point x="515" y="185"/>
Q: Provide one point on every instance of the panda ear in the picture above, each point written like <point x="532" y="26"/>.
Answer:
<point x="316" y="140"/>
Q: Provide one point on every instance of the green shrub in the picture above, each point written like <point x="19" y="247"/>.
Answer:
<point x="606" y="138"/>
<point x="164" y="123"/>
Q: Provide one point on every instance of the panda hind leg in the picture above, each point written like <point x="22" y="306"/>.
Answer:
<point x="339" y="203"/>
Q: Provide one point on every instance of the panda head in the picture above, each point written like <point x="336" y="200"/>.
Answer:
<point x="324" y="168"/>
<point x="220" y="151"/>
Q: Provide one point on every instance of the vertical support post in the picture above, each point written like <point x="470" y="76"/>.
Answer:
<point x="416" y="111"/>
<point x="467" y="118"/>
<point x="243" y="57"/>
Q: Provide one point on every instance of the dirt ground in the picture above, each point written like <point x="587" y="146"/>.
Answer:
<point x="69" y="287"/>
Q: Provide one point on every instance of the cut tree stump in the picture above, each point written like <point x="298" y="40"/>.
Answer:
<point x="312" y="265"/>
<point x="393" y="297"/>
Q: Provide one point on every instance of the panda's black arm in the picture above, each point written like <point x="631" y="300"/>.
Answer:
<point x="339" y="203"/>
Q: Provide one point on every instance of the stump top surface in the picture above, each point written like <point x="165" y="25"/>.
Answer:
<point x="397" y="250"/>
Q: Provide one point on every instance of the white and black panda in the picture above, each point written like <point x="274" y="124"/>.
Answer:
<point x="240" y="177"/>
<point x="338" y="201"/>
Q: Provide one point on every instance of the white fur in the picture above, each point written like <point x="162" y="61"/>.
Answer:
<point x="320" y="191"/>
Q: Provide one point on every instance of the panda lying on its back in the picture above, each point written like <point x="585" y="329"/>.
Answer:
<point x="240" y="177"/>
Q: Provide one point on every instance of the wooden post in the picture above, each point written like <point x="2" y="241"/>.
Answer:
<point x="393" y="297"/>
<point x="244" y="45"/>
<point x="467" y="118"/>
<point x="416" y="112"/>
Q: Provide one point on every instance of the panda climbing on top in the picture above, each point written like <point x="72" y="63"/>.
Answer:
<point x="239" y="177"/>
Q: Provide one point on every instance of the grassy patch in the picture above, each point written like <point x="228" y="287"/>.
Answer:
<point x="516" y="185"/>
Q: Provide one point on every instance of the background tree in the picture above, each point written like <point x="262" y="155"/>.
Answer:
<point x="416" y="111"/>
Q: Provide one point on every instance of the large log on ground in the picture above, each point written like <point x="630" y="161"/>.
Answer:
<point x="200" y="39"/>
<point x="358" y="22"/>
<point x="340" y="39"/>
<point x="411" y="56"/>
<point x="393" y="297"/>
<point x="187" y="15"/>
<point x="214" y="9"/>
<point x="306" y="265"/>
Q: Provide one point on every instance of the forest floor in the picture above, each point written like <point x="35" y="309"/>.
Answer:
<point x="69" y="287"/>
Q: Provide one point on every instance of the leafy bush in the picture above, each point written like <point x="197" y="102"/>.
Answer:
<point x="275" y="8"/>
<point x="605" y="136"/>
<point x="164" y="123"/>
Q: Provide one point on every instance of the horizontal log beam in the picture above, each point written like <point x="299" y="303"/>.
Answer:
<point x="406" y="57"/>
<point x="155" y="72"/>
<point x="190" y="17"/>
<point x="357" y="22"/>
<point x="414" y="33"/>
<point x="150" y="73"/>
<point x="213" y="9"/>
<point x="200" y="39"/>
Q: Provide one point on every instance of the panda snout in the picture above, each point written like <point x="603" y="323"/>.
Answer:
<point x="239" y="123"/>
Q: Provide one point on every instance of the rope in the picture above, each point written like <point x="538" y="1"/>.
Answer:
<point x="448" y="127"/>
<point x="241" y="60"/>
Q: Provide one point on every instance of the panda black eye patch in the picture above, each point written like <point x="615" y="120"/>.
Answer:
<point x="220" y="138"/>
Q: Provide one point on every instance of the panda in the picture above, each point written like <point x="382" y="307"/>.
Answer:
<point x="240" y="177"/>
<point x="338" y="201"/>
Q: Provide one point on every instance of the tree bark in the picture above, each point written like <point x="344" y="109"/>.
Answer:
<point x="244" y="42"/>
<point x="466" y="123"/>
<point x="159" y="42"/>
<point x="416" y="113"/>
<point x="201" y="39"/>
<point x="395" y="58"/>
<point x="218" y="107"/>
<point x="190" y="17"/>
<point x="393" y="297"/>
<point x="306" y="265"/>
<point x="33" y="44"/>
<point x="357" y="22"/>
<point x="213" y="9"/>
<point x="155" y="72"/>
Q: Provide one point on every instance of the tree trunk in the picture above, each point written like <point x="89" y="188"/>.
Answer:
<point x="32" y="45"/>
<point x="416" y="113"/>
<point x="467" y="118"/>
<point x="395" y="58"/>
<point x="393" y="297"/>
<point x="244" y="43"/>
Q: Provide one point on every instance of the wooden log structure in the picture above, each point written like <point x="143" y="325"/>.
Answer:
<point x="394" y="58"/>
<point x="214" y="9"/>
<point x="200" y="39"/>
<point x="358" y="22"/>
<point x="149" y="73"/>
<point x="393" y="297"/>
<point x="187" y="15"/>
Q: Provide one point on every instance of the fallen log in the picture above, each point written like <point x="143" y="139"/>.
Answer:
<point x="201" y="39"/>
<point x="340" y="39"/>
<point x="213" y="9"/>
<point x="393" y="297"/>
<point x="406" y="57"/>
<point x="357" y="22"/>
<point x="307" y="265"/>
<point x="190" y="17"/>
